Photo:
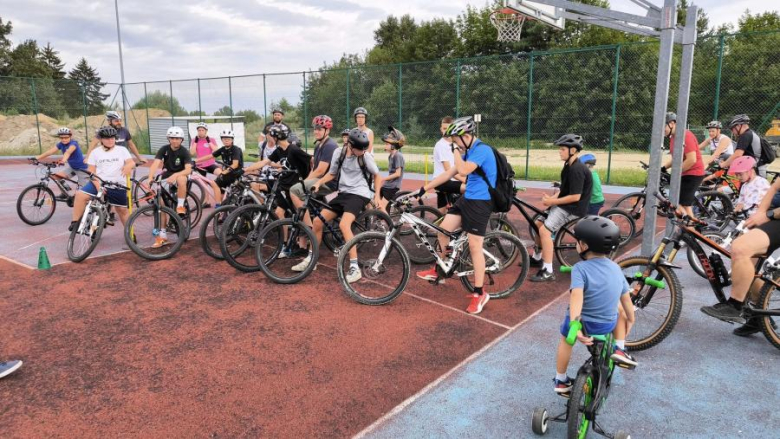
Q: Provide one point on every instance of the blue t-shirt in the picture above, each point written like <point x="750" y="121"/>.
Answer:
<point x="482" y="155"/>
<point x="76" y="160"/>
<point x="603" y="283"/>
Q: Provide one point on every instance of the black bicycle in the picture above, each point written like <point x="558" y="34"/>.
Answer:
<point x="86" y="234"/>
<point x="36" y="203"/>
<point x="156" y="231"/>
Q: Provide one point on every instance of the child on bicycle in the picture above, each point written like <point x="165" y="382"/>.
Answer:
<point x="72" y="159"/>
<point x="230" y="155"/>
<point x="394" y="141"/>
<point x="599" y="296"/>
<point x="596" y="195"/>
<point x="176" y="163"/>
<point x="202" y="147"/>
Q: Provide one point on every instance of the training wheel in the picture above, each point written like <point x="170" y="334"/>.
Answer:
<point x="539" y="421"/>
<point x="622" y="435"/>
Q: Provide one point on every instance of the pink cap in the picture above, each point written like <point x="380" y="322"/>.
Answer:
<point x="742" y="164"/>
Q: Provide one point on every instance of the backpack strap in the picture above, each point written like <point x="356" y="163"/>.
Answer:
<point x="342" y="157"/>
<point x="756" y="145"/>
<point x="479" y="171"/>
<point x="364" y="170"/>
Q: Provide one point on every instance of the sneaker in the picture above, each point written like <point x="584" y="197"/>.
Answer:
<point x="623" y="358"/>
<point x="159" y="242"/>
<point x="478" y="301"/>
<point x="563" y="388"/>
<point x="181" y="210"/>
<point x="543" y="276"/>
<point x="354" y="275"/>
<point x="111" y="219"/>
<point x="429" y="275"/>
<point x="73" y="225"/>
<point x="302" y="266"/>
<point x="752" y="326"/>
<point x="61" y="197"/>
<point x="724" y="311"/>
<point x="9" y="367"/>
<point x="534" y="263"/>
<point x="285" y="253"/>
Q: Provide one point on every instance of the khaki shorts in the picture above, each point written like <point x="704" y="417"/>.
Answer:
<point x="297" y="189"/>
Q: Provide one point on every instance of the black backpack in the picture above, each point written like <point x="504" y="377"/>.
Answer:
<point x="768" y="154"/>
<point x="504" y="191"/>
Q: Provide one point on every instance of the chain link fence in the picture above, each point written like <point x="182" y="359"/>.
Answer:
<point x="526" y="101"/>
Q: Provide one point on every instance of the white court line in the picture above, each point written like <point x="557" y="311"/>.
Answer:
<point x="42" y="240"/>
<point x="16" y="262"/>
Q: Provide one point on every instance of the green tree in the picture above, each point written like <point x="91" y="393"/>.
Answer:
<point x="26" y="61"/>
<point x="5" y="47"/>
<point x="224" y="111"/>
<point x="91" y="85"/>
<point x="766" y="21"/>
<point x="52" y="59"/>
<point x="249" y="116"/>
<point x="162" y="101"/>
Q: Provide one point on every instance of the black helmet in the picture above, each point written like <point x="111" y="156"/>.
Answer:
<point x="279" y="132"/>
<point x="671" y="117"/>
<point x="715" y="124"/>
<point x="570" y="140"/>
<point x="601" y="234"/>
<point x="106" y="132"/>
<point x="740" y="119"/>
<point x="360" y="110"/>
<point x="345" y="132"/>
<point x="277" y="110"/>
<point x="394" y="137"/>
<point x="358" y="139"/>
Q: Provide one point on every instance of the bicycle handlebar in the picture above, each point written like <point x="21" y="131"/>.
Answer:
<point x="36" y="162"/>
<point x="104" y="183"/>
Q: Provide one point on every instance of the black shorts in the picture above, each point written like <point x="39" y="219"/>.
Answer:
<point x="225" y="179"/>
<point x="206" y="169"/>
<point x="351" y="203"/>
<point x="450" y="187"/>
<point x="474" y="215"/>
<point x="772" y="229"/>
<point x="388" y="193"/>
<point x="283" y="199"/>
<point x="688" y="186"/>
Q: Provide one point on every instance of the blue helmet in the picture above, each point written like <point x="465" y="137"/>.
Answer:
<point x="588" y="159"/>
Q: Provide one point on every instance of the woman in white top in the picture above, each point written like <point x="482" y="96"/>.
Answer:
<point x="721" y="146"/>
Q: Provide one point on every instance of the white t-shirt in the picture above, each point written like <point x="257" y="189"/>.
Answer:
<point x="714" y="144"/>
<point x="109" y="164"/>
<point x="266" y="153"/>
<point x="441" y="152"/>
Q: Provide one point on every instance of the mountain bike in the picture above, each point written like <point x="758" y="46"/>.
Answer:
<point x="192" y="202"/>
<point x="36" y="203"/>
<point x="156" y="218"/>
<point x="589" y="392"/>
<point x="384" y="262"/>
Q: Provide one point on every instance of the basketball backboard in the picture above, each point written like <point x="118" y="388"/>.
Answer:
<point x="549" y="15"/>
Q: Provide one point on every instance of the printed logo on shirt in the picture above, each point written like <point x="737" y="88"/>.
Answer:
<point x="177" y="162"/>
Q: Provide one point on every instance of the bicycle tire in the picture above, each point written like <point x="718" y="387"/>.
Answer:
<point x="565" y="244"/>
<point x="369" y="219"/>
<point x="96" y="234"/>
<point x="500" y="222"/>
<point x="41" y="189"/>
<point x="213" y="220"/>
<point x="367" y="269"/>
<point x="509" y="261"/>
<point x="197" y="189"/>
<point x="245" y="241"/>
<point x="278" y="229"/>
<point x="769" y="299"/>
<point x="581" y="395"/>
<point x="634" y="205"/>
<point x="717" y="209"/>
<point x="625" y="223"/>
<point x="138" y="192"/>
<point x="671" y="312"/>
<point x="417" y="251"/>
<point x="170" y="249"/>
<point x="718" y="237"/>
<point x="194" y="210"/>
<point x="531" y="227"/>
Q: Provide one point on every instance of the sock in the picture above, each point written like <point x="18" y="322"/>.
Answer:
<point x="353" y="263"/>
<point x="537" y="255"/>
<point x="180" y="202"/>
<point x="478" y="290"/>
<point x="561" y="377"/>
<point x="163" y="234"/>
<point x="621" y="344"/>
<point x="548" y="267"/>
<point x="735" y="303"/>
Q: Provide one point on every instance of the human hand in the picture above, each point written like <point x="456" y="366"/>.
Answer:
<point x="587" y="341"/>
<point x="421" y="192"/>
<point x="756" y="220"/>
<point x="547" y="200"/>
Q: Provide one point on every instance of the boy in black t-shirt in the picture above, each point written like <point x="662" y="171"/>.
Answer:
<point x="570" y="203"/>
<point x="230" y="155"/>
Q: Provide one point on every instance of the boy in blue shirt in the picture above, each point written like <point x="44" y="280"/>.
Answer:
<point x="72" y="159"/>
<point x="598" y="292"/>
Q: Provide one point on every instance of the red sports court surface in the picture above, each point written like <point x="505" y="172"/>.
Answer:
<point x="189" y="347"/>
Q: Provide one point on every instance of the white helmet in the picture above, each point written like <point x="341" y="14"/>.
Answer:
<point x="202" y="125"/>
<point x="64" y="131"/>
<point x="112" y="115"/>
<point x="227" y="133"/>
<point x="175" y="132"/>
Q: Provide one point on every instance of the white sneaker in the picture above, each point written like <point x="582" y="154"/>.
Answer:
<point x="354" y="275"/>
<point x="303" y="265"/>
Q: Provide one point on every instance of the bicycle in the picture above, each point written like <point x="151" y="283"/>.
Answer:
<point x="36" y="203"/>
<point x="146" y="224"/>
<point x="384" y="260"/>
<point x="656" y="288"/>
<point x="589" y="392"/>
<point x="724" y="239"/>
<point x="141" y="190"/>
<point x="84" y="238"/>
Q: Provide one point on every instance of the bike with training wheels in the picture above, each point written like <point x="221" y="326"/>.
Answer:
<point x="385" y="264"/>
<point x="156" y="231"/>
<point x="36" y="203"/>
<point x="657" y="293"/>
<point x="85" y="236"/>
<point x="589" y="392"/>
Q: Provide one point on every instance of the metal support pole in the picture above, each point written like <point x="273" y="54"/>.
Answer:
<point x="665" y="53"/>
<point x="121" y="61"/>
<point x="200" y="108"/>
<point x="35" y="110"/>
<point x="170" y="85"/>
<point x="528" y="119"/>
<point x="348" y="123"/>
<point x="614" y="109"/>
<point x="230" y="99"/>
<point x="305" y="114"/>
<point x="716" y="105"/>
<point x="148" y="125"/>
<point x="457" y="92"/>
<point x="83" y="86"/>
<point x="686" y="71"/>
<point x="265" y="104"/>
<point x="400" y="94"/>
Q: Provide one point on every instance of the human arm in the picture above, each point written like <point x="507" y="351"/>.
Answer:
<point x="759" y="217"/>
<point x="441" y="179"/>
<point x="127" y="170"/>
<point x="68" y="152"/>
<point x="576" y="297"/>
<point x="371" y="141"/>
<point x="377" y="188"/>
<point x="134" y="149"/>
<point x="47" y="153"/>
<point x="258" y="165"/>
<point x="688" y="161"/>
<point x="327" y="178"/>
<point x="724" y="144"/>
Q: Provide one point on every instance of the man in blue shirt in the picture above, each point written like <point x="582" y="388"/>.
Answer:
<point x="72" y="159"/>
<point x="123" y="137"/>
<point x="472" y="211"/>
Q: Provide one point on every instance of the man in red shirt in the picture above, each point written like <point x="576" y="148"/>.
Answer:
<point x="692" y="165"/>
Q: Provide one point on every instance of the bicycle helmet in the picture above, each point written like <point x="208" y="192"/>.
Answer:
<point x="740" y="119"/>
<point x="322" y="121"/>
<point x="601" y="234"/>
<point x="277" y="110"/>
<point x="742" y="164"/>
<point x="394" y="137"/>
<point x="715" y="124"/>
<point x="588" y="159"/>
<point x="671" y="117"/>
<point x="106" y="132"/>
<point x="202" y="125"/>
<point x="570" y="140"/>
<point x="227" y="133"/>
<point x="64" y="131"/>
<point x="279" y="132"/>
<point x="345" y="132"/>
<point x="461" y="126"/>
<point x="175" y="133"/>
<point x="113" y="115"/>
<point x="360" y="110"/>
<point x="358" y="139"/>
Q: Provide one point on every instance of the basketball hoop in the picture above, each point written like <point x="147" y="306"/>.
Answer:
<point x="509" y="23"/>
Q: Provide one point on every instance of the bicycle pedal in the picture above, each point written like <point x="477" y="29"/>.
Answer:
<point x="625" y="366"/>
<point x="438" y="281"/>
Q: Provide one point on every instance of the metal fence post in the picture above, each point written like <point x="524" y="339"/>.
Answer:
<point x="528" y="120"/>
<point x="83" y="86"/>
<point x="305" y="115"/>
<point x="614" y="109"/>
<point x="230" y="100"/>
<point x="265" y="103"/>
<point x="400" y="94"/>
<point x="148" y="125"/>
<point x="35" y="110"/>
<point x="716" y="110"/>
<point x="170" y="85"/>
<point x="200" y="108"/>
<point x="457" y="90"/>
<point x="348" y="69"/>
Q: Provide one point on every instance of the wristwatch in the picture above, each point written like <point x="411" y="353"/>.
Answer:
<point x="770" y="214"/>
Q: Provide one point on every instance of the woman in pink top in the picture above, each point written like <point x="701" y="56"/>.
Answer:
<point x="202" y="146"/>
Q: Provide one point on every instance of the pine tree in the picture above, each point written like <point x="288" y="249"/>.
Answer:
<point x="5" y="46"/>
<point x="52" y="59"/>
<point x="89" y="78"/>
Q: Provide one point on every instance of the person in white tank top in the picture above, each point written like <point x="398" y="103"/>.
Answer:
<point x="719" y="144"/>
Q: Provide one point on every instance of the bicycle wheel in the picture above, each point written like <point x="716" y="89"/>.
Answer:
<point x="418" y="252"/>
<point x="581" y="397"/>
<point x="625" y="223"/>
<point x="506" y="264"/>
<point x="713" y="207"/>
<point x="210" y="231"/>
<point x="84" y="238"/>
<point x="287" y="251"/>
<point x="716" y="237"/>
<point x="143" y="229"/>
<point x="239" y="236"/>
<point x="197" y="189"/>
<point x="634" y="205"/>
<point x="657" y="309"/>
<point x="139" y="191"/>
<point x="500" y="222"/>
<point x="380" y="283"/>
<point x="769" y="299"/>
<point x="332" y="240"/>
<point x="194" y="210"/>
<point x="565" y="244"/>
<point x="531" y="230"/>
<point x="36" y="204"/>
<point x="374" y="220"/>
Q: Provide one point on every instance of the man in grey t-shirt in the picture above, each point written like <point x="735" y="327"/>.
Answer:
<point x="394" y="141"/>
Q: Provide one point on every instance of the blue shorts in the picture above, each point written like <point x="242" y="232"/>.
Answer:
<point x="594" y="208"/>
<point x="115" y="197"/>
<point x="591" y="328"/>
